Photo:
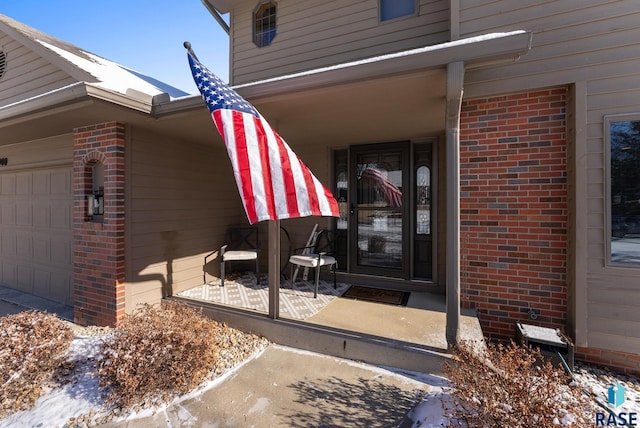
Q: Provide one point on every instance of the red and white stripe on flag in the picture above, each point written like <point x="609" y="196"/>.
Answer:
<point x="273" y="182"/>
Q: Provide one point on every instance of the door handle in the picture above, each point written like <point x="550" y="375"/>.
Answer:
<point x="351" y="209"/>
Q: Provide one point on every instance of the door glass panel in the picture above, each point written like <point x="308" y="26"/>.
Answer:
<point x="380" y="238"/>
<point x="423" y="198"/>
<point x="424" y="215"/>
<point x="380" y="183"/>
<point x="378" y="207"/>
<point x="341" y="193"/>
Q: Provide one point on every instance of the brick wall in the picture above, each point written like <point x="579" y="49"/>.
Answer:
<point x="98" y="246"/>
<point x="624" y="362"/>
<point x="513" y="168"/>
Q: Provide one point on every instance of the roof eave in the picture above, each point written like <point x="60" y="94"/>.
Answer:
<point x="72" y="94"/>
<point x="508" y="47"/>
<point x="474" y="54"/>
<point x="222" y="6"/>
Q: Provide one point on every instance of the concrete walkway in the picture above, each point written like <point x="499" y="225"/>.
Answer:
<point x="9" y="296"/>
<point x="285" y="387"/>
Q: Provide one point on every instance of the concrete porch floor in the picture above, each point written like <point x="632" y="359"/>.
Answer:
<point x="422" y="321"/>
<point x="411" y="337"/>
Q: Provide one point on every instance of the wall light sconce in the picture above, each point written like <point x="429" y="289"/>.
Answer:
<point x="95" y="203"/>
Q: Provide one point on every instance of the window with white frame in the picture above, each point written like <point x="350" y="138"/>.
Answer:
<point x="392" y="9"/>
<point x="623" y="212"/>
<point x="264" y="24"/>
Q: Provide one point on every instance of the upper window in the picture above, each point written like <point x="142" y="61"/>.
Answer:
<point x="392" y="9"/>
<point x="624" y="189"/>
<point x="264" y="24"/>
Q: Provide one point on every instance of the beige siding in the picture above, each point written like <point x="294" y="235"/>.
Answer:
<point x="27" y="73"/>
<point x="313" y="34"/>
<point x="592" y="42"/>
<point x="180" y="198"/>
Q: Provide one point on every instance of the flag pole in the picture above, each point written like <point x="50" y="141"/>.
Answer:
<point x="187" y="46"/>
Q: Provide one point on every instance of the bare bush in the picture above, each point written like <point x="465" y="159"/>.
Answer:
<point x="512" y="386"/>
<point x="156" y="354"/>
<point x="32" y="345"/>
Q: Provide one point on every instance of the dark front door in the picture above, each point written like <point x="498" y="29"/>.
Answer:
<point x="378" y="215"/>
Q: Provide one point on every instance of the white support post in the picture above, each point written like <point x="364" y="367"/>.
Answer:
<point x="455" y="83"/>
<point x="274" y="269"/>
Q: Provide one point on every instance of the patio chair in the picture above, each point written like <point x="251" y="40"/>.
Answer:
<point x="243" y="245"/>
<point x="319" y="253"/>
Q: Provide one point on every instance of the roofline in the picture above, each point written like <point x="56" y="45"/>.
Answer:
<point x="223" y="6"/>
<point x="72" y="94"/>
<point x="473" y="51"/>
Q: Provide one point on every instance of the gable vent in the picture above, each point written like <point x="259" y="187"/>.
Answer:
<point x="3" y="63"/>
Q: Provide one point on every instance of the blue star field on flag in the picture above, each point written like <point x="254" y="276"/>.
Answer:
<point x="217" y="94"/>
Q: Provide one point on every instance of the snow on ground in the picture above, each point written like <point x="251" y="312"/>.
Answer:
<point x="79" y="394"/>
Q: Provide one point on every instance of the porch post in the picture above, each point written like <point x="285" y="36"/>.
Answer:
<point x="274" y="269"/>
<point x="455" y="81"/>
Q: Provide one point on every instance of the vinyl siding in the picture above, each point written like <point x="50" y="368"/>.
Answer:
<point x="180" y="199"/>
<point x="594" y="43"/>
<point x="313" y="34"/>
<point x="27" y="74"/>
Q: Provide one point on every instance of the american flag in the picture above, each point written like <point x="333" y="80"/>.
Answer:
<point x="391" y="192"/>
<point x="273" y="182"/>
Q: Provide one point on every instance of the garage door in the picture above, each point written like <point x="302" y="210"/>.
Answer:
<point x="36" y="232"/>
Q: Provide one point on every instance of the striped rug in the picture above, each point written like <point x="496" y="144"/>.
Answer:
<point x="242" y="291"/>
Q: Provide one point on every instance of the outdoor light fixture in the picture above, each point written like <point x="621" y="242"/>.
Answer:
<point x="95" y="203"/>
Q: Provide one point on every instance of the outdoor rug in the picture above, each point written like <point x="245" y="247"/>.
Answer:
<point x="242" y="291"/>
<point x="377" y="295"/>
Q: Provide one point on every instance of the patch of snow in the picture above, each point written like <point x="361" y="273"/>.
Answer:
<point x="80" y="396"/>
<point x="430" y="412"/>
<point x="113" y="76"/>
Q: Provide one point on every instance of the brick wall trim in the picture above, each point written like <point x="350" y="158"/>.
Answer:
<point x="98" y="248"/>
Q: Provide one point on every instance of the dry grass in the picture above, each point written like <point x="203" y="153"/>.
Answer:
<point x="32" y="345"/>
<point x="156" y="354"/>
<point x="509" y="386"/>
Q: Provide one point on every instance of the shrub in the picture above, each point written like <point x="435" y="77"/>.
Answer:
<point x="32" y="345"/>
<point x="512" y="386"/>
<point x="156" y="354"/>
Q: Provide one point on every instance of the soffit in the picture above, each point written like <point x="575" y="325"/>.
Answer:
<point x="223" y="6"/>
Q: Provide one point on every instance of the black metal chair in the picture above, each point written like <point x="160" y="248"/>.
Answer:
<point x="319" y="253"/>
<point x="243" y="245"/>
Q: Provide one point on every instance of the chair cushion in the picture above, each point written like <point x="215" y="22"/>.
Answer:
<point x="240" y="255"/>
<point x="311" y="260"/>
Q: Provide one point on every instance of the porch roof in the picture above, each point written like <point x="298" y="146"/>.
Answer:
<point x="473" y="51"/>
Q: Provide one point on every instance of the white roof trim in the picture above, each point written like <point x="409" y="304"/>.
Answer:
<point x="381" y="58"/>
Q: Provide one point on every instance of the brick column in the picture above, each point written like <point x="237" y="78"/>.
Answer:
<point x="98" y="247"/>
<point x="513" y="170"/>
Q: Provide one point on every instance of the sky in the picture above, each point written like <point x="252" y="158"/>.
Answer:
<point x="145" y="35"/>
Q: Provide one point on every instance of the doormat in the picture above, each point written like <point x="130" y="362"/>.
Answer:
<point x="377" y="295"/>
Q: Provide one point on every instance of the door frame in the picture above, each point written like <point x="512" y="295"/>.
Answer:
<point x="345" y="245"/>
